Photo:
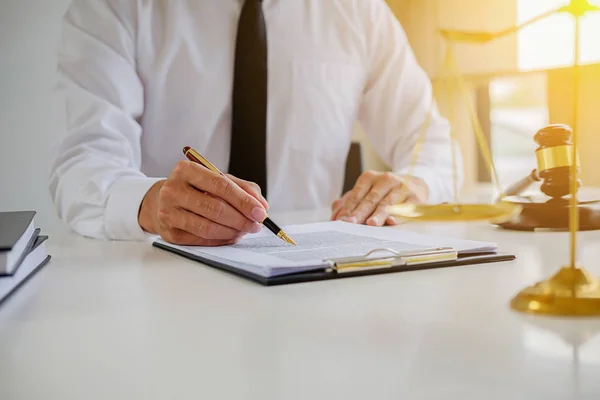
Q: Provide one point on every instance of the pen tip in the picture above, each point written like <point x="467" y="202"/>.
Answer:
<point x="288" y="239"/>
<point x="185" y="149"/>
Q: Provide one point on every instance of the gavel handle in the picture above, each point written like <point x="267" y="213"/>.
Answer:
<point x="521" y="185"/>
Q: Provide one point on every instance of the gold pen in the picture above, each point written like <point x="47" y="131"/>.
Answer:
<point x="194" y="156"/>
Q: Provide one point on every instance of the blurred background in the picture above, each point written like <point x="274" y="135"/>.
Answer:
<point x="517" y="84"/>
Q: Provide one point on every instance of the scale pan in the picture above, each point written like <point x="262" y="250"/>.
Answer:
<point x="455" y="212"/>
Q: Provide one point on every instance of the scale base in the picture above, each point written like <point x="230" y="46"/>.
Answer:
<point x="553" y="214"/>
<point x="572" y="292"/>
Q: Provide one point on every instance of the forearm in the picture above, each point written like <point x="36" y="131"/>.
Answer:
<point x="434" y="163"/>
<point x="96" y="181"/>
<point x="399" y="111"/>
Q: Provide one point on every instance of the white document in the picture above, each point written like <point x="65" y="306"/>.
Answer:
<point x="267" y="255"/>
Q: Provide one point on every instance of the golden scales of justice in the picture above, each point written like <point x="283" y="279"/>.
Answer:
<point x="572" y="291"/>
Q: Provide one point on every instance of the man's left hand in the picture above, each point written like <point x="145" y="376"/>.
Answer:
<point x="373" y="193"/>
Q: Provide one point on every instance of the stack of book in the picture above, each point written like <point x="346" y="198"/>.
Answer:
<point x="22" y="250"/>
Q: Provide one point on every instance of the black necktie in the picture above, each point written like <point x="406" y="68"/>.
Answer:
<point x="248" y="159"/>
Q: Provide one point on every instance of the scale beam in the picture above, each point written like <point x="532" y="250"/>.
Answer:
<point x="577" y="8"/>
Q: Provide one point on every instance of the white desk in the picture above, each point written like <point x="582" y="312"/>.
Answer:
<point x="128" y="321"/>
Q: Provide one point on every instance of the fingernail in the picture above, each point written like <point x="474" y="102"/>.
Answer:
<point x="258" y="214"/>
<point x="374" y="221"/>
<point x="351" y="220"/>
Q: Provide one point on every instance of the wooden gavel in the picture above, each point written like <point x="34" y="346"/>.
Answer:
<point x="554" y="162"/>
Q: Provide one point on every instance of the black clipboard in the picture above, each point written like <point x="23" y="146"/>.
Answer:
<point x="329" y="274"/>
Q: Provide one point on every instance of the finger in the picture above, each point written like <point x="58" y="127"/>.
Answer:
<point x="418" y="189"/>
<point x="222" y="187"/>
<point x="355" y="196"/>
<point x="371" y="201"/>
<point x="212" y="208"/>
<point x="392" y="221"/>
<point x="182" y="238"/>
<point x="397" y="195"/>
<point x="251" y="188"/>
<point x="177" y="218"/>
<point x="337" y="205"/>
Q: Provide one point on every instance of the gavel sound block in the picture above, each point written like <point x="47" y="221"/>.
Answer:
<point x="554" y="163"/>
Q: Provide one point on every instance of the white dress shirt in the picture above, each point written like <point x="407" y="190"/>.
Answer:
<point x="144" y="78"/>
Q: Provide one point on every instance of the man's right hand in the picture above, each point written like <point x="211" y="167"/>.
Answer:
<point x="197" y="207"/>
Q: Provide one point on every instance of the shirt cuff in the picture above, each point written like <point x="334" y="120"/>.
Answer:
<point x="438" y="192"/>
<point x="121" y="217"/>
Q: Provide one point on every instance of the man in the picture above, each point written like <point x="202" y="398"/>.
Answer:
<point x="268" y="91"/>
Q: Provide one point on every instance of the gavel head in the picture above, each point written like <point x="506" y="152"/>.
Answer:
<point x="555" y="159"/>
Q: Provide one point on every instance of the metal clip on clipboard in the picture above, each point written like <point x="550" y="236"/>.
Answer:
<point x="396" y="259"/>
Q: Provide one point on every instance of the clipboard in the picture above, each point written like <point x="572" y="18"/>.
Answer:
<point x="376" y="262"/>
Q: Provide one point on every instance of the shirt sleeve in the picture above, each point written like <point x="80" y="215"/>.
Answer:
<point x="398" y="101"/>
<point x="95" y="181"/>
